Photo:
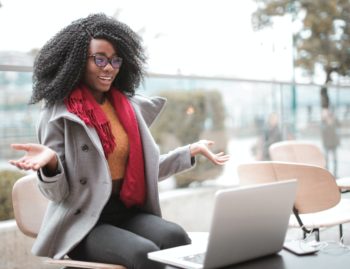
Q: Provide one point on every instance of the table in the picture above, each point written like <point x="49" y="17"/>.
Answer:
<point x="335" y="258"/>
<point x="331" y="257"/>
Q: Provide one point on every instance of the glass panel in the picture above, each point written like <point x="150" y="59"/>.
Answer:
<point x="239" y="126"/>
<point x="18" y="119"/>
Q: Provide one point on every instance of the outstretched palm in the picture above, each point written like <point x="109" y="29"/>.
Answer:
<point x="202" y="147"/>
<point x="36" y="157"/>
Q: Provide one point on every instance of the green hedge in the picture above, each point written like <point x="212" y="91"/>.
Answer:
<point x="7" y="179"/>
<point x="188" y="117"/>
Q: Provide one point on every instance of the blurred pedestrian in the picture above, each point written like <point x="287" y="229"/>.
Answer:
<point x="330" y="138"/>
<point x="271" y="134"/>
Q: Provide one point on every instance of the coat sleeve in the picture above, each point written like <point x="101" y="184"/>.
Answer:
<point x="175" y="161"/>
<point x="51" y="134"/>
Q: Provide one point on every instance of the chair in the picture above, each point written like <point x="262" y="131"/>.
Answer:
<point x="318" y="202"/>
<point x="29" y="208"/>
<point x="303" y="152"/>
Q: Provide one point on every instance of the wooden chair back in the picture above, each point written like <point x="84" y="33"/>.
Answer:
<point x="29" y="205"/>
<point x="316" y="190"/>
<point x="297" y="152"/>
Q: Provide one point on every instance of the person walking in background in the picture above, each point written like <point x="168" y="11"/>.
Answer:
<point x="271" y="134"/>
<point x="97" y="162"/>
<point x="330" y="138"/>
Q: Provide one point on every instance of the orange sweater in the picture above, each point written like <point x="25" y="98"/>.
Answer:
<point x="117" y="160"/>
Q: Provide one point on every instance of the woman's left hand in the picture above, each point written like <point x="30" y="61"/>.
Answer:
<point x="202" y="147"/>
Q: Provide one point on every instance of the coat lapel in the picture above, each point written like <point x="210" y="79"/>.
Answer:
<point x="60" y="111"/>
<point x="148" y="107"/>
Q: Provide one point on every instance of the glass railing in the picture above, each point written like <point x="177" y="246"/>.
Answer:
<point x="247" y="104"/>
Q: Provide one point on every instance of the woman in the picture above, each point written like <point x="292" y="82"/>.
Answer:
<point x="97" y="161"/>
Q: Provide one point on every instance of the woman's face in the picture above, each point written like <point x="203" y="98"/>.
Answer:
<point x="99" y="79"/>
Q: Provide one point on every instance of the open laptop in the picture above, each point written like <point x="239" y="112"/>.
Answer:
<point x="247" y="223"/>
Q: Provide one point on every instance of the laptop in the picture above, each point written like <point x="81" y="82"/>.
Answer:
<point x="247" y="223"/>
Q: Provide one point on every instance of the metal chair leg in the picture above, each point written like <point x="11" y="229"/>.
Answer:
<point x="341" y="233"/>
<point x="317" y="235"/>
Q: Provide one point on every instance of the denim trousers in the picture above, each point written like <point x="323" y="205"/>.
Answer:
<point x="125" y="235"/>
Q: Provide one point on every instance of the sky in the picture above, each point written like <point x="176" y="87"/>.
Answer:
<point x="191" y="37"/>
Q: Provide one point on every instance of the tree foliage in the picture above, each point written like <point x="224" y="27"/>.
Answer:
<point x="324" y="38"/>
<point x="190" y="116"/>
<point x="7" y="179"/>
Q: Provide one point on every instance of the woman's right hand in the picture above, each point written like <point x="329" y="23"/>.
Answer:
<point x="37" y="156"/>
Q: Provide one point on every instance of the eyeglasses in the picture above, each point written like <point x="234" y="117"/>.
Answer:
<point x="102" y="60"/>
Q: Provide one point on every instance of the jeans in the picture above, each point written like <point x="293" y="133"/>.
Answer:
<point x="333" y="152"/>
<point x="125" y="235"/>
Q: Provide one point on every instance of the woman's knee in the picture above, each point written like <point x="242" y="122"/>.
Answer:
<point x="139" y="258"/>
<point x="175" y="236"/>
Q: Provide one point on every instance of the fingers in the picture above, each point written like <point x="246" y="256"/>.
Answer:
<point x="18" y="164"/>
<point x="223" y="158"/>
<point x="36" y="156"/>
<point x="20" y="146"/>
<point x="220" y="159"/>
<point x="207" y="142"/>
<point x="25" y="164"/>
<point x="12" y="162"/>
<point x="21" y="163"/>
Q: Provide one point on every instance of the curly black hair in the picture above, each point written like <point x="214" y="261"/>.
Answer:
<point x="60" y="64"/>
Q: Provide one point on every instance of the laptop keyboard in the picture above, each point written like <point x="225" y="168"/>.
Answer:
<point x="196" y="258"/>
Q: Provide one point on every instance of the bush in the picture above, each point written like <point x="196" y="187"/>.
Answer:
<point x="7" y="179"/>
<point x="188" y="117"/>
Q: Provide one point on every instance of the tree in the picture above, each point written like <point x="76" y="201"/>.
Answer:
<point x="202" y="115"/>
<point x="323" y="40"/>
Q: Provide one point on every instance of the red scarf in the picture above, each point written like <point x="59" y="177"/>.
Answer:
<point x="82" y="103"/>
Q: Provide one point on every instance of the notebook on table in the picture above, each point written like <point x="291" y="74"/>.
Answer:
<point x="247" y="223"/>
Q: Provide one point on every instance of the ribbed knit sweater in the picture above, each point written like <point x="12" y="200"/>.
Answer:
<point x="117" y="160"/>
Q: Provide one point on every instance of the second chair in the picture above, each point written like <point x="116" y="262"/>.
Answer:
<point x="303" y="152"/>
<point x="318" y="201"/>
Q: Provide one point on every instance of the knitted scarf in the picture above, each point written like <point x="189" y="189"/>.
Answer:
<point x="82" y="103"/>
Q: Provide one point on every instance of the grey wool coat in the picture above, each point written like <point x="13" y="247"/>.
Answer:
<point x="79" y="192"/>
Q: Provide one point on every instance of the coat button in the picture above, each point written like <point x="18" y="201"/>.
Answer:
<point x="77" y="212"/>
<point x="85" y="147"/>
<point x="83" y="181"/>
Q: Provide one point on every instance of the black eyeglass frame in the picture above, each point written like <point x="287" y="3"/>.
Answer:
<point x="109" y="60"/>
